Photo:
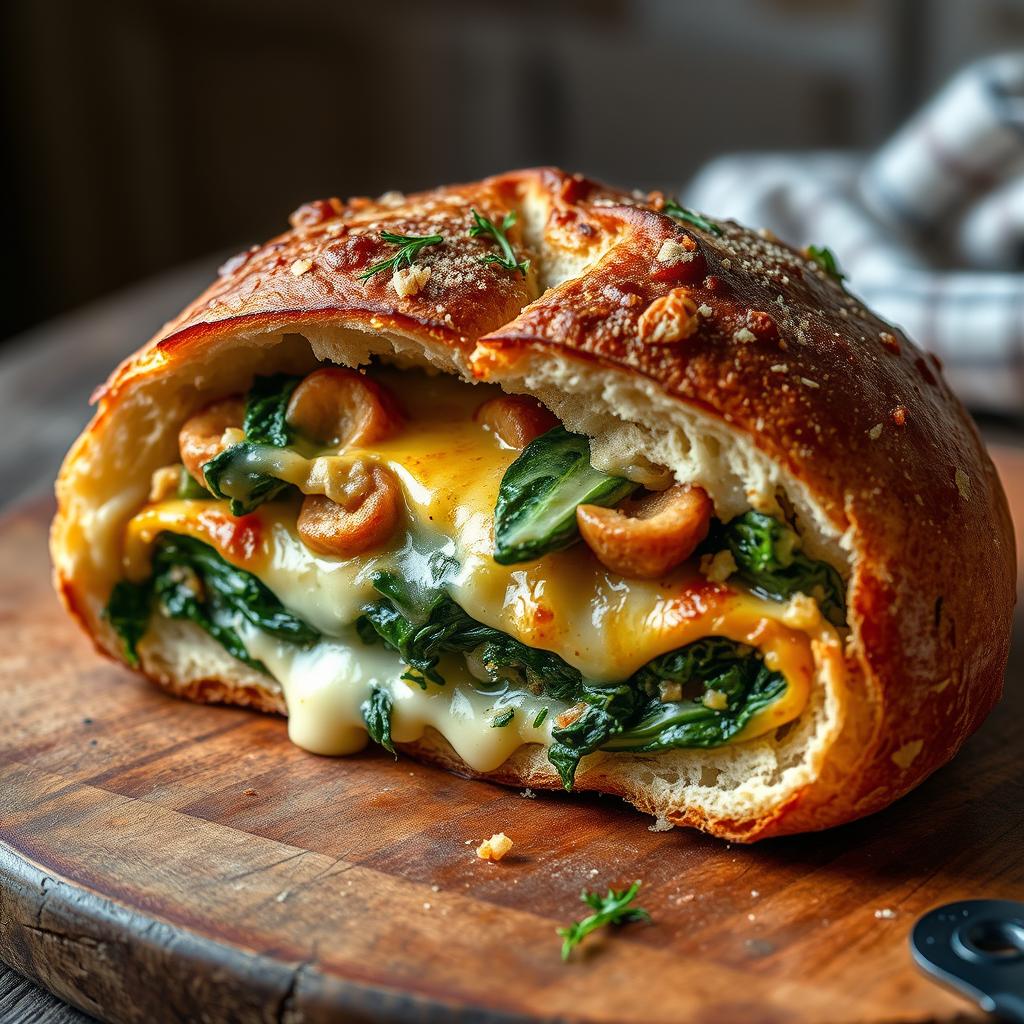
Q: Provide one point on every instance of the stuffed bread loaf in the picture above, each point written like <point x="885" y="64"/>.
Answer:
<point x="558" y="485"/>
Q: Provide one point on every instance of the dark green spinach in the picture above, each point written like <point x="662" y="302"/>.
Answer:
<point x="376" y="711"/>
<point x="768" y="559"/>
<point x="188" y="487"/>
<point x="265" y="408"/>
<point x="422" y="623"/>
<point x="632" y="716"/>
<point x="128" y="610"/>
<point x="237" y="473"/>
<point x="190" y="580"/>
<point x="714" y="663"/>
<point x="608" y="709"/>
<point x="536" y="508"/>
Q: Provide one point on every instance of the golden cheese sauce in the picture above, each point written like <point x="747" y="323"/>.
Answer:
<point x="450" y="468"/>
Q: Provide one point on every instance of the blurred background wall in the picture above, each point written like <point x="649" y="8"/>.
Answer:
<point x="142" y="133"/>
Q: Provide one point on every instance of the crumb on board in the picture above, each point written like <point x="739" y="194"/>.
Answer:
<point x="495" y="848"/>
<point x="885" y="913"/>
<point x="528" y="794"/>
<point x="661" y="824"/>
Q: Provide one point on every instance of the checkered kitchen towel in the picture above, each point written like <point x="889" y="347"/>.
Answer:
<point x="929" y="230"/>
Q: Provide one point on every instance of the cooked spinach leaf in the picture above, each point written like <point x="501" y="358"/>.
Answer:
<point x="180" y="594"/>
<point x="537" y="499"/>
<point x="506" y="659"/>
<point x="265" y="408"/>
<point x="608" y="709"/>
<point x="237" y="473"/>
<point x="769" y="560"/>
<point x="420" y="644"/>
<point x="236" y="590"/>
<point x="190" y="580"/>
<point x="128" y="611"/>
<point x="376" y="711"/>
<point x="736" y="677"/>
<point x="422" y="623"/>
<point x="188" y="487"/>
<point x="632" y="716"/>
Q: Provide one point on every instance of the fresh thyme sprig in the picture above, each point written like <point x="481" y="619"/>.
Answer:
<point x="409" y="246"/>
<point x="825" y="259"/>
<point x="507" y="259"/>
<point x="611" y="909"/>
<point x="673" y="209"/>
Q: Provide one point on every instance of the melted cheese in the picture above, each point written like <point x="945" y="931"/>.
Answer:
<point x="450" y="468"/>
<point x="325" y="687"/>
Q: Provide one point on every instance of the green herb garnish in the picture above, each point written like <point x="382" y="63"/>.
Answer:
<point x="539" y="720"/>
<point x="614" y="909"/>
<point x="673" y="209"/>
<point x="409" y="247"/>
<point x="825" y="259"/>
<point x="507" y="259"/>
<point x="536" y="508"/>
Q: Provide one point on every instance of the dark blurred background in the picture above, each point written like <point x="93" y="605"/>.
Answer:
<point x="144" y="133"/>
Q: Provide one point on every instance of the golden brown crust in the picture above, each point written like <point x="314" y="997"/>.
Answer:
<point x="744" y="328"/>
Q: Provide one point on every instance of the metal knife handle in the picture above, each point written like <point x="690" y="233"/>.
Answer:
<point x="977" y="948"/>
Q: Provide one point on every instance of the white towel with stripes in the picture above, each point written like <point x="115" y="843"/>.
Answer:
<point x="929" y="230"/>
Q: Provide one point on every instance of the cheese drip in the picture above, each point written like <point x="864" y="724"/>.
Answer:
<point x="325" y="687"/>
<point x="450" y="468"/>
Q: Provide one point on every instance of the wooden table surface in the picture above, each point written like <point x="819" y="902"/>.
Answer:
<point x="45" y="379"/>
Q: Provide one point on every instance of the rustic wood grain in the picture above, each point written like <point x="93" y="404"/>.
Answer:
<point x="161" y="861"/>
<point x="25" y="1003"/>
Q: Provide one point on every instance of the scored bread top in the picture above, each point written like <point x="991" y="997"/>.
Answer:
<point x="724" y="319"/>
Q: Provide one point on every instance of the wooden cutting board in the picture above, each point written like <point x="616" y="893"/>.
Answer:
<point x="161" y="861"/>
